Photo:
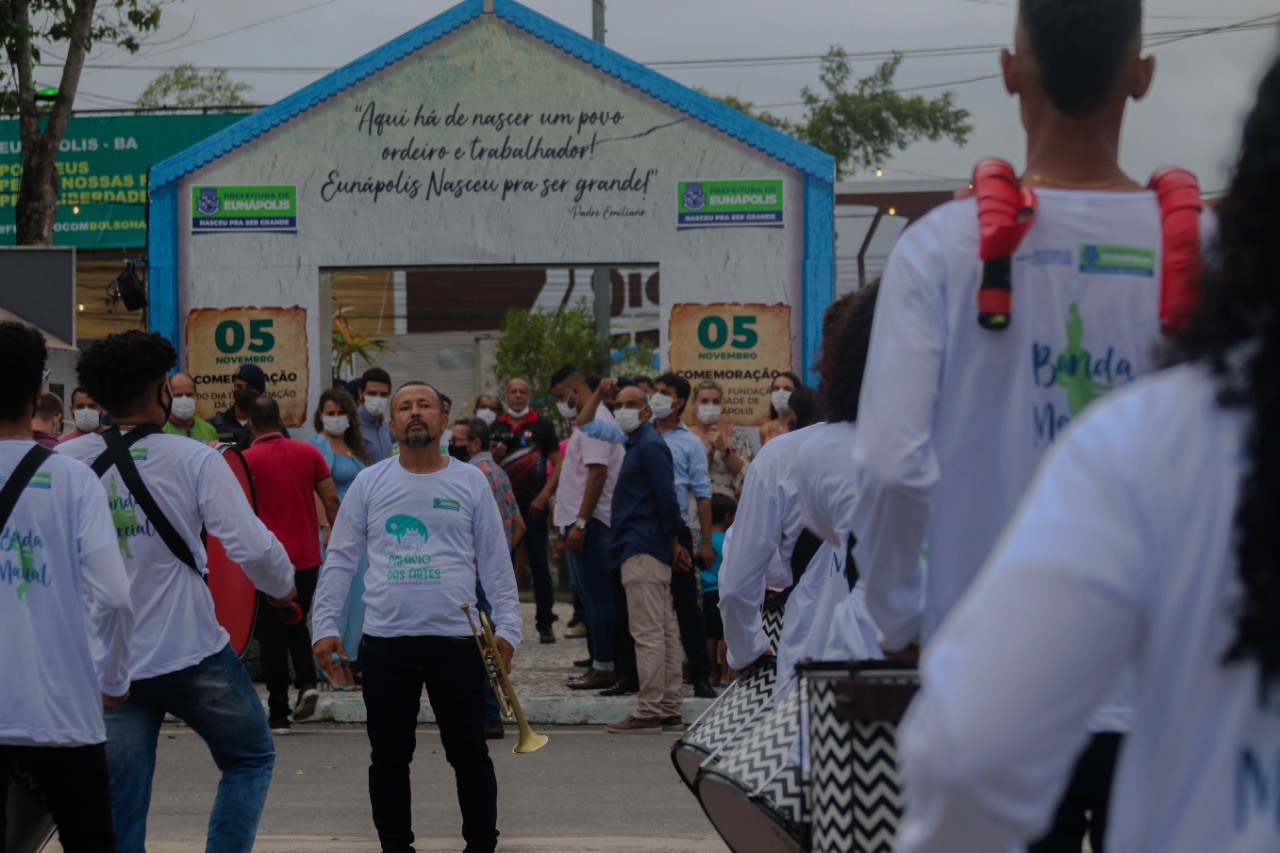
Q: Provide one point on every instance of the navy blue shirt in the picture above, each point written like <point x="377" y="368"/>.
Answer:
<point x="645" y="514"/>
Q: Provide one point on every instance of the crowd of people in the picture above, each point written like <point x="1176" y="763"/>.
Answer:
<point x="1092" y="576"/>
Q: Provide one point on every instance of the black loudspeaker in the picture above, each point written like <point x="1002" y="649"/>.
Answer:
<point x="130" y="290"/>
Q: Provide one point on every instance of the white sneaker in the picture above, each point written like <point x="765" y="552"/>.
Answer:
<point x="306" y="705"/>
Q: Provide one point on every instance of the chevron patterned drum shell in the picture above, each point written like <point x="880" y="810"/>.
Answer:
<point x="725" y="721"/>
<point x="754" y="796"/>
<point x="855" y="795"/>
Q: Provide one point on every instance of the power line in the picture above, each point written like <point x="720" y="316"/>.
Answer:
<point x="240" y="29"/>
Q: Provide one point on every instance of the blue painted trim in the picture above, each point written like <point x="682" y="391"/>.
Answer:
<point x="760" y="136"/>
<point x="265" y="120"/>
<point x="162" y="263"/>
<point x="745" y="129"/>
<point x="817" y="284"/>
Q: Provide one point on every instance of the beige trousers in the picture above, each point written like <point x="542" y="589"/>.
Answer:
<point x="653" y="626"/>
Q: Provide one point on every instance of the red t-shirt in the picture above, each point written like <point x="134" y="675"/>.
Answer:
<point x="285" y="472"/>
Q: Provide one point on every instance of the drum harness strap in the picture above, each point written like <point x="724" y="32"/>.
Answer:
<point x="808" y="543"/>
<point x="18" y="480"/>
<point x="118" y="455"/>
<point x="1007" y="209"/>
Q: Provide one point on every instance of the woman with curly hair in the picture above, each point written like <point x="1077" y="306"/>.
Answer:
<point x="1149" y="539"/>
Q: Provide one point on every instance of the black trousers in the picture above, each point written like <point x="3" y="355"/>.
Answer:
<point x="395" y="670"/>
<point x="536" y="542"/>
<point x="624" y="645"/>
<point x="281" y="642"/>
<point x="75" y="786"/>
<point x="693" y="632"/>
<point x="1088" y="791"/>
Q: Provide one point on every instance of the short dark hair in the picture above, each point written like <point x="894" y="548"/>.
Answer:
<point x="264" y="412"/>
<point x="118" y="370"/>
<point x="80" y="389"/>
<point x="24" y="356"/>
<point x="677" y="382"/>
<point x="412" y="383"/>
<point x="563" y="374"/>
<point x="445" y="399"/>
<point x="844" y="353"/>
<point x="1080" y="47"/>
<point x="50" y="404"/>
<point x="638" y="379"/>
<point x="375" y="374"/>
<point x="477" y="430"/>
<point x="722" y="506"/>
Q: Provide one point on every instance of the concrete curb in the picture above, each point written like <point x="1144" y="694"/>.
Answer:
<point x="538" y="710"/>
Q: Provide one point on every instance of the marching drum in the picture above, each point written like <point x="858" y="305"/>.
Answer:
<point x="235" y="600"/>
<point x="754" y="795"/>
<point x="726" y="719"/>
<point x="854" y="711"/>
<point x="28" y="824"/>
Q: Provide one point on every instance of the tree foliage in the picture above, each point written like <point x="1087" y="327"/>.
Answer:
<point x="75" y="26"/>
<point x="535" y="344"/>
<point x="184" y="86"/>
<point x="863" y="122"/>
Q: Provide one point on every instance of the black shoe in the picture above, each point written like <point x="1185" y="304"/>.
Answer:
<point x="704" y="691"/>
<point x="546" y="635"/>
<point x="585" y="662"/>
<point x="623" y="687"/>
<point x="279" y="725"/>
<point x="494" y="731"/>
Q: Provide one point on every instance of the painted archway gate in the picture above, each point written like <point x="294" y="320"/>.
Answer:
<point x="491" y="135"/>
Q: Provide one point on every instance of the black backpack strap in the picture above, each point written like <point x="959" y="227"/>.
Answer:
<point x="807" y="544"/>
<point x="19" y="479"/>
<point x="118" y="455"/>
<point x="850" y="565"/>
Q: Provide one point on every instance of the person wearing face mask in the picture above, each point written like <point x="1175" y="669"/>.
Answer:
<point x="530" y="456"/>
<point x="469" y="441"/>
<point x="782" y="416"/>
<point x="487" y="408"/>
<point x="429" y="526"/>
<point x="729" y="450"/>
<point x="289" y="477"/>
<point x="644" y="546"/>
<point x="374" y="397"/>
<point x="583" y="512"/>
<point x="340" y="442"/>
<point x="232" y="424"/>
<point x="181" y="661"/>
<point x="85" y="414"/>
<point x="182" y="416"/>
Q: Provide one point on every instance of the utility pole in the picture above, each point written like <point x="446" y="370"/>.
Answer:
<point x="600" y="289"/>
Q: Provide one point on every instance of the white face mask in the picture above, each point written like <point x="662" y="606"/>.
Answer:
<point x="628" y="420"/>
<point x="376" y="406"/>
<point x="87" y="420"/>
<point x="661" y="405"/>
<point x="335" y="424"/>
<point x="517" y="414"/>
<point x="184" y="408"/>
<point x="708" y="413"/>
<point x="566" y="411"/>
<point x="781" y="400"/>
<point x="487" y="415"/>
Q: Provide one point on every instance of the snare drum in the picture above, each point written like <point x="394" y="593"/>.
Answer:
<point x="725" y="721"/>
<point x="854" y="712"/>
<point x="28" y="825"/>
<point x="756" y="795"/>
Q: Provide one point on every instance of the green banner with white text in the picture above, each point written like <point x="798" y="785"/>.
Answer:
<point x="102" y="171"/>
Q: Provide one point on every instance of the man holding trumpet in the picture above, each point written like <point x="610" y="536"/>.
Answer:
<point x="429" y="523"/>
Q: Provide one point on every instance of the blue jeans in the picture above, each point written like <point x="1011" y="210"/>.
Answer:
<point x="591" y="568"/>
<point x="216" y="699"/>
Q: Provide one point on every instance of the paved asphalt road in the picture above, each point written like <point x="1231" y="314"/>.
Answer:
<point x="585" y="791"/>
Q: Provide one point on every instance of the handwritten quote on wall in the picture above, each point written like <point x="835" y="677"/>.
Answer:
<point x="428" y="155"/>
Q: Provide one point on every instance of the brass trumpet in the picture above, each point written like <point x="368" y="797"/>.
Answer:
<point x="500" y="681"/>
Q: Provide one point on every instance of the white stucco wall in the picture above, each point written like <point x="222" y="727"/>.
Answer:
<point x="492" y="68"/>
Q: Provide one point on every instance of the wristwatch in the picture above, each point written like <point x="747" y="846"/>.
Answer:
<point x="580" y="523"/>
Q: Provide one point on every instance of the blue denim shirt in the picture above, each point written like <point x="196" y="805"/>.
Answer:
<point x="377" y="436"/>
<point x="645" y="514"/>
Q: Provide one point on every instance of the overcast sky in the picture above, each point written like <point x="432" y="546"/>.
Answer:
<point x="1192" y="117"/>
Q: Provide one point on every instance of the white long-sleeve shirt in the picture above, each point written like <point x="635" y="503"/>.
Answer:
<point x="1121" y="554"/>
<point x="65" y="617"/>
<point x="426" y="536"/>
<point x="175" y="624"/>
<point x="954" y="418"/>
<point x="767" y="523"/>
